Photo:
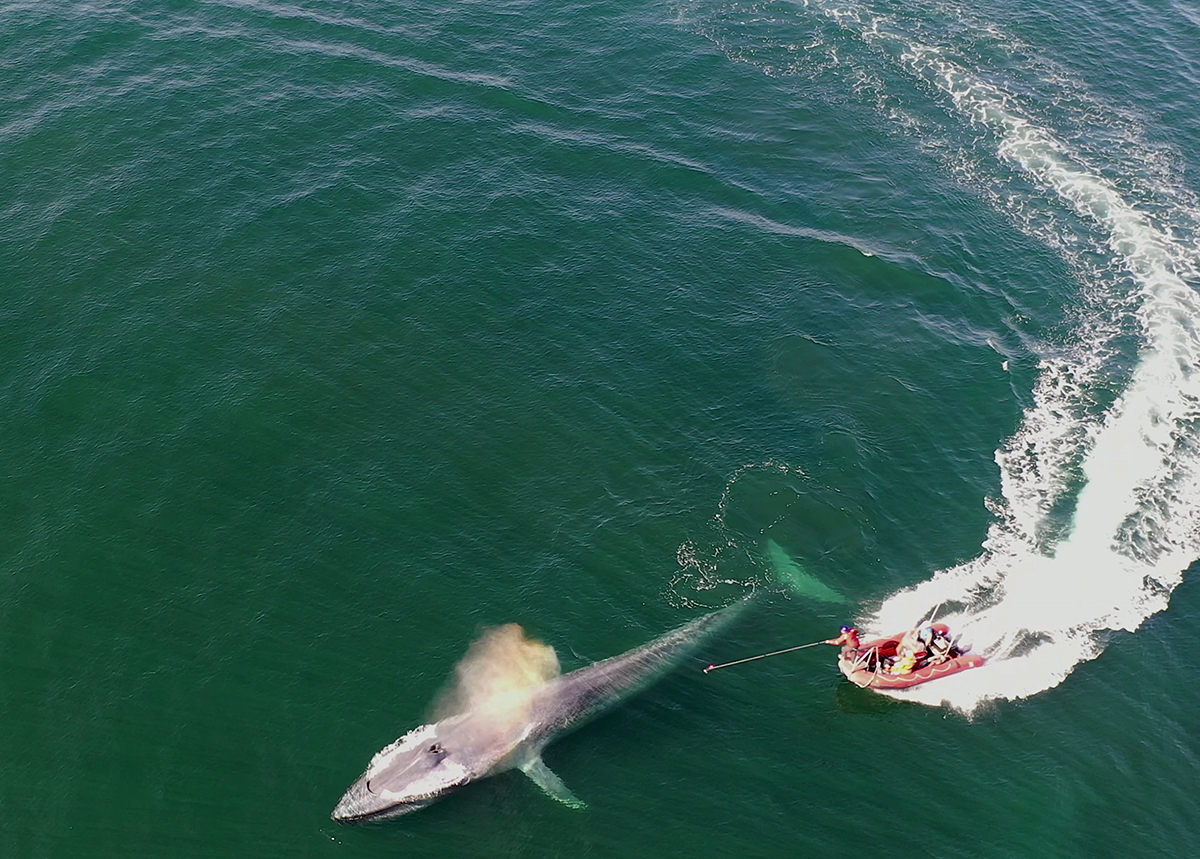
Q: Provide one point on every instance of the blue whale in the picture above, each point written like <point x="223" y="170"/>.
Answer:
<point x="433" y="760"/>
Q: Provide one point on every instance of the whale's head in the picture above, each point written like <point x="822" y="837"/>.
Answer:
<point x="412" y="772"/>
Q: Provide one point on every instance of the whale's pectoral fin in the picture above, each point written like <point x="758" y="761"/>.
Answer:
<point x="537" y="770"/>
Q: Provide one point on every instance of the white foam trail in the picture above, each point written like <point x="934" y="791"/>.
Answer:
<point x="1040" y="609"/>
<point x="1044" y="593"/>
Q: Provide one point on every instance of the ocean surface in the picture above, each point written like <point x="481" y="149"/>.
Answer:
<point x="332" y="334"/>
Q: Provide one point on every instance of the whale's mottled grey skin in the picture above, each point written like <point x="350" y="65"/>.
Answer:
<point x="432" y="760"/>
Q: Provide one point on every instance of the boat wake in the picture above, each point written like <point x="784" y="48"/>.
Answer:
<point x="1100" y="514"/>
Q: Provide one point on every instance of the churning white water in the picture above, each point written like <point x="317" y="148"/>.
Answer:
<point x="1018" y="129"/>
<point x="1038" y="605"/>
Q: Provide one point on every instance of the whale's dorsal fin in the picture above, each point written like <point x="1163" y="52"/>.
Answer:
<point x="537" y="770"/>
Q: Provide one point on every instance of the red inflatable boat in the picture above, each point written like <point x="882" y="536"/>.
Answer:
<point x="869" y="666"/>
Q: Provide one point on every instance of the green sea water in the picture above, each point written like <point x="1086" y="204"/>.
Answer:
<point x="333" y="334"/>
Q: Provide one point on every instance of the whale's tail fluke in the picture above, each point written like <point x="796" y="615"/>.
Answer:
<point x="791" y="573"/>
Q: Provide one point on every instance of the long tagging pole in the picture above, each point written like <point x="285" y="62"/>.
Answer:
<point x="760" y="656"/>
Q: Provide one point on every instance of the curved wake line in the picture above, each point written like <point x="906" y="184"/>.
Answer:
<point x="1039" y="610"/>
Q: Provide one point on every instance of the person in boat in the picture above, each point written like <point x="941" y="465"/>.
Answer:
<point x="941" y="649"/>
<point x="852" y="649"/>
<point x="848" y="640"/>
<point x="912" y="649"/>
<point x="904" y="663"/>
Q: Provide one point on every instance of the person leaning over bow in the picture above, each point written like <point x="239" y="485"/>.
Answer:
<point x="848" y="640"/>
